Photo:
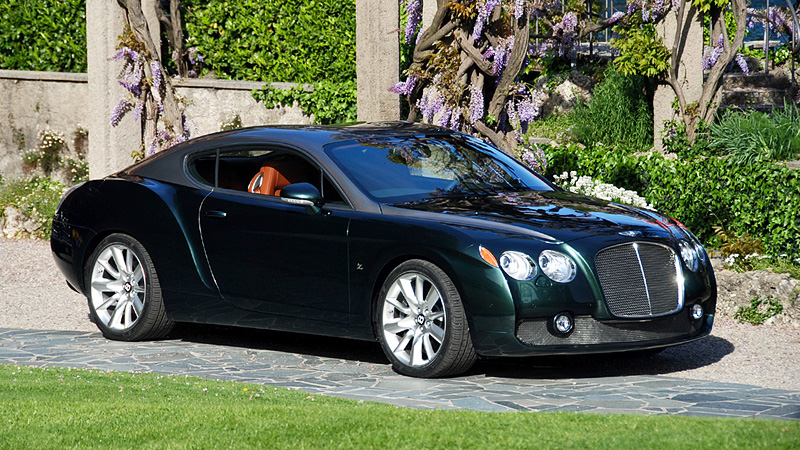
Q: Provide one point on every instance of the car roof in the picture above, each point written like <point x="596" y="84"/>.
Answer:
<point x="310" y="138"/>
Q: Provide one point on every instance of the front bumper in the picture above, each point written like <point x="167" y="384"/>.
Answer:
<point x="534" y="337"/>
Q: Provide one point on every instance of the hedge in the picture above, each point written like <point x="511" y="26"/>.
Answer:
<point x="45" y="35"/>
<point x="762" y="199"/>
<point x="299" y="41"/>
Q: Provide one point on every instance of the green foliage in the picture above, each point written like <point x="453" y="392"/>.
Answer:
<point x="329" y="102"/>
<point x="760" y="199"/>
<point x="642" y="52"/>
<point x="46" y="35"/>
<point x="617" y="115"/>
<point x="759" y="310"/>
<point x="36" y="198"/>
<point x="705" y="6"/>
<point x="233" y="124"/>
<point x="274" y="40"/>
<point x="731" y="243"/>
<point x="752" y="136"/>
<point x="68" y="408"/>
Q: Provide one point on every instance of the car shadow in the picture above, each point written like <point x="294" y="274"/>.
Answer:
<point x="703" y="352"/>
<point x="693" y="355"/>
<point x="281" y="341"/>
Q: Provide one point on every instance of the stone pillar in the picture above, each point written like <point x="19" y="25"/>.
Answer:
<point x="377" y="59"/>
<point x="690" y="71"/>
<point x="429" y="8"/>
<point x="110" y="147"/>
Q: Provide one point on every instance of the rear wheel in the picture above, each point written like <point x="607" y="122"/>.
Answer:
<point x="421" y="323"/>
<point x="124" y="292"/>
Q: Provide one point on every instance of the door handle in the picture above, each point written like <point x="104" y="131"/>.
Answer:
<point x="216" y="214"/>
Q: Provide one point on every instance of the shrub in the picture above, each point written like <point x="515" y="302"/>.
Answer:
<point x="618" y="114"/>
<point x="274" y="40"/>
<point x="35" y="197"/>
<point x="760" y="200"/>
<point x="328" y="102"/>
<point x="752" y="136"/>
<point x="759" y="310"/>
<point x="46" y="35"/>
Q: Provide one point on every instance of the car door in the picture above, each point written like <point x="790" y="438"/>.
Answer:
<point x="270" y="256"/>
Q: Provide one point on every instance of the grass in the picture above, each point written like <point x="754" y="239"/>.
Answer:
<point x="62" y="408"/>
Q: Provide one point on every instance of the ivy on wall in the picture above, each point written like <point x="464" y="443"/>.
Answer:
<point x="274" y="40"/>
<point x="44" y="35"/>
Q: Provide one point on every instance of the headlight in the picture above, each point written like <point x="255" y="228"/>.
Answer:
<point x="701" y="252"/>
<point x="557" y="266"/>
<point x="518" y="266"/>
<point x="689" y="256"/>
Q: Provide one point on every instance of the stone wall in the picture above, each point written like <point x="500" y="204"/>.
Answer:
<point x="33" y="101"/>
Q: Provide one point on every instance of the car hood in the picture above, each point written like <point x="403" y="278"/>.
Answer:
<point x="549" y="215"/>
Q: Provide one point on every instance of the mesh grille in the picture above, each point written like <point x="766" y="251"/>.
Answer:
<point x="639" y="279"/>
<point x="592" y="332"/>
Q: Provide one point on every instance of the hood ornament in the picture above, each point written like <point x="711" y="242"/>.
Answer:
<point x="630" y="233"/>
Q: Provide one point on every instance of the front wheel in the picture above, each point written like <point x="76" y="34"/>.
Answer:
<point x="421" y="323"/>
<point x="124" y="292"/>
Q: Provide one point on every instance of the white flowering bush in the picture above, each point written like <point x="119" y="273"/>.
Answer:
<point x="35" y="198"/>
<point x="587" y="186"/>
<point x="45" y="154"/>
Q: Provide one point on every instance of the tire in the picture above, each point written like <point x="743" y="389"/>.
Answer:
<point x="123" y="291"/>
<point x="425" y="339"/>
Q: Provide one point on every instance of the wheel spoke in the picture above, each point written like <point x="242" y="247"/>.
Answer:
<point x="408" y="292"/>
<point x="419" y="294"/>
<point x="138" y="306"/>
<point x="138" y="275"/>
<point x="432" y="298"/>
<point x="416" y="350"/>
<point x="437" y="332"/>
<point x="105" y="285"/>
<point x="115" y="322"/>
<point x="111" y="271"/>
<point x="398" y="306"/>
<point x="401" y="346"/>
<point x="399" y="325"/>
<point x="108" y="303"/>
<point x="128" y="313"/>
<point x="129" y="263"/>
<point x="119" y="259"/>
<point x="426" y="341"/>
<point x="436" y="315"/>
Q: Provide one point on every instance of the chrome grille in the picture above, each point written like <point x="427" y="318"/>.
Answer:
<point x="640" y="279"/>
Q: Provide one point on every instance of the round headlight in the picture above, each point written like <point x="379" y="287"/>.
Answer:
<point x="557" y="266"/>
<point x="701" y="252"/>
<point x="689" y="256"/>
<point x="518" y="266"/>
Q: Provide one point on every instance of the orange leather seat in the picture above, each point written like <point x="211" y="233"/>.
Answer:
<point x="268" y="181"/>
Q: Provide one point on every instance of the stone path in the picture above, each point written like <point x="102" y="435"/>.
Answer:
<point x="358" y="370"/>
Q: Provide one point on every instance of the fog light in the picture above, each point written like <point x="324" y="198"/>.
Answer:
<point x="697" y="311"/>
<point x="562" y="323"/>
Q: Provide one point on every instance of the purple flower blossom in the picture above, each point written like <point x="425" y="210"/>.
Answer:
<point x="155" y="68"/>
<point x="742" y="64"/>
<point x="485" y="8"/>
<point x="455" y="120"/>
<point x="527" y="110"/>
<point x="404" y="87"/>
<point x="511" y="110"/>
<point x="676" y="4"/>
<point x="519" y="8"/>
<point x="122" y="107"/>
<point x="632" y="6"/>
<point x="475" y="105"/>
<point x="194" y="56"/>
<point x="444" y="117"/>
<point x="138" y="110"/>
<point x="617" y="15"/>
<point x="711" y="60"/>
<point x="646" y="15"/>
<point x="430" y="104"/>
<point x="414" y="16"/>
<point x="535" y="158"/>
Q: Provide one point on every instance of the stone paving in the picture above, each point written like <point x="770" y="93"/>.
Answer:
<point x="358" y="370"/>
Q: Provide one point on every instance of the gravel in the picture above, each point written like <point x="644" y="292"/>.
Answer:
<point x="34" y="295"/>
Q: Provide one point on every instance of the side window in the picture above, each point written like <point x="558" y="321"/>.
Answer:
<point x="261" y="171"/>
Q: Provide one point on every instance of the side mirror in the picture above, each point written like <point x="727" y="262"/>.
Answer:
<point x="304" y="194"/>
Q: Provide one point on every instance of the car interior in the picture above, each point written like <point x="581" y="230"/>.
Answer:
<point x="261" y="171"/>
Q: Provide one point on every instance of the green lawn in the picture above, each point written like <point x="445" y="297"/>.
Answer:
<point x="61" y="408"/>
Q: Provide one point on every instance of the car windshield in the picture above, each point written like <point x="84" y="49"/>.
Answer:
<point x="414" y="168"/>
